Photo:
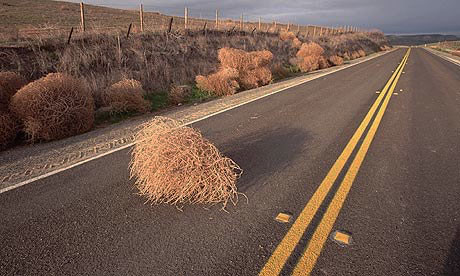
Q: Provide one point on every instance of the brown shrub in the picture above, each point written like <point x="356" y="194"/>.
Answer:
<point x="222" y="83"/>
<point x="175" y="164"/>
<point x="255" y="78"/>
<point x="355" y="55"/>
<point x="287" y="36"/>
<point x="308" y="56"/>
<point x="125" y="95"/>
<point x="456" y="53"/>
<point x="296" y="43"/>
<point x="346" y="56"/>
<point x="10" y="82"/>
<point x="280" y="72"/>
<point x="384" y="48"/>
<point x="361" y="53"/>
<point x="322" y="62"/>
<point x="242" y="60"/>
<point x="239" y="69"/>
<point x="9" y="127"/>
<point x="335" y="60"/>
<point x="310" y="49"/>
<point x="179" y="93"/>
<point x="54" y="107"/>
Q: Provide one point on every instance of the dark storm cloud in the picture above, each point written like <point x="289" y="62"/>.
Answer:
<point x="391" y="16"/>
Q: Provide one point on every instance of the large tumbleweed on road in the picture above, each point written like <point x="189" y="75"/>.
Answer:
<point x="175" y="164"/>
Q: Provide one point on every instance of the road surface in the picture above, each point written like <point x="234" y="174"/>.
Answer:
<point x="371" y="151"/>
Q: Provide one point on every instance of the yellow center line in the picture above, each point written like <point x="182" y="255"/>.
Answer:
<point x="312" y="252"/>
<point x="282" y="252"/>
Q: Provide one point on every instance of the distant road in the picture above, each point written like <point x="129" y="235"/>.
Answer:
<point x="371" y="151"/>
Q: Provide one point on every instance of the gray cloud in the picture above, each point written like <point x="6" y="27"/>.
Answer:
<point x="391" y="16"/>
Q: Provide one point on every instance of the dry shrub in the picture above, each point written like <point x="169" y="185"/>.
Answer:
<point x="242" y="60"/>
<point x="9" y="127"/>
<point x="296" y="43"/>
<point x="322" y="62"/>
<point x="10" y="82"/>
<point x="346" y="56"/>
<point x="355" y="55"/>
<point x="308" y="56"/>
<point x="255" y="78"/>
<point x="125" y="95"/>
<point x="384" y="48"/>
<point x="54" y="107"/>
<point x="175" y="164"/>
<point x="222" y="83"/>
<point x="179" y="93"/>
<point x="361" y="53"/>
<point x="280" y="72"/>
<point x="456" y="53"/>
<point x="239" y="69"/>
<point x="285" y="35"/>
<point x="335" y="60"/>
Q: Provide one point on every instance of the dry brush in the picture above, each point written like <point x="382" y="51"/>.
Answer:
<point x="175" y="164"/>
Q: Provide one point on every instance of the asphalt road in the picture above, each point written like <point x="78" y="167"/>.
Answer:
<point x="402" y="212"/>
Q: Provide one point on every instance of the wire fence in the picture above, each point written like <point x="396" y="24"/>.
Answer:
<point x="88" y="18"/>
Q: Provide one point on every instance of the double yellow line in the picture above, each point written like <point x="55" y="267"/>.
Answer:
<point x="287" y="245"/>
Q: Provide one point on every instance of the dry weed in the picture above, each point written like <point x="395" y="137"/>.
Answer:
<point x="361" y="53"/>
<point x="308" y="57"/>
<point x="222" y="83"/>
<point x="175" y="164"/>
<point x="126" y="95"/>
<point x="9" y="127"/>
<point x="287" y="36"/>
<point x="322" y="62"/>
<point x="335" y="60"/>
<point x="54" y="107"/>
<point x="355" y="55"/>
<point x="10" y="82"/>
<point x="179" y="93"/>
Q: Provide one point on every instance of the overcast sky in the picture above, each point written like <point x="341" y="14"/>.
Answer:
<point x="391" y="16"/>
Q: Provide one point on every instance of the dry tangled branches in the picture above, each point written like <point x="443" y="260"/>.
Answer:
<point x="222" y="83"/>
<point x="179" y="93"/>
<point x="125" y="95"/>
<point x="335" y="60"/>
<point x="308" y="57"/>
<point x="290" y="36"/>
<point x="9" y="128"/>
<point x="54" y="107"/>
<point x="238" y="69"/>
<point x="175" y="164"/>
<point x="10" y="82"/>
<point x="361" y="53"/>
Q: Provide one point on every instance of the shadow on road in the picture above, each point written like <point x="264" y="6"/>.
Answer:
<point x="263" y="153"/>
<point x="452" y="265"/>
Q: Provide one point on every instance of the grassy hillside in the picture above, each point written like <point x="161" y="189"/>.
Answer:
<point x="29" y="18"/>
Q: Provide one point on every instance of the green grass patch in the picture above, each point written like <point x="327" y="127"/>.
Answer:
<point x="108" y="117"/>
<point x="158" y="100"/>
<point x="199" y="95"/>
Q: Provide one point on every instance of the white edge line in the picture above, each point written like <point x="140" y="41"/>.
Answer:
<point x="12" y="187"/>
<point x="451" y="60"/>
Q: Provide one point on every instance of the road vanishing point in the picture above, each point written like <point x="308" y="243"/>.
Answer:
<point x="353" y="173"/>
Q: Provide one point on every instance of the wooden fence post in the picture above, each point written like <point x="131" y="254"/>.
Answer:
<point x="185" y="17"/>
<point x="298" y="28"/>
<point x="82" y="16"/>
<point x="119" y="48"/>
<point x="320" y="31"/>
<point x="288" y="27"/>
<point x="141" y="15"/>
<point x="314" y="31"/>
<point x="129" y="30"/>
<point x="217" y="19"/>
<point x="275" y="26"/>
<point x="170" y="24"/>
<point x="241" y="23"/>
<point x="260" y="28"/>
<point x="70" y="36"/>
